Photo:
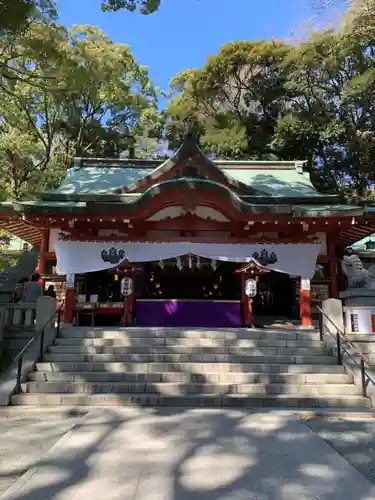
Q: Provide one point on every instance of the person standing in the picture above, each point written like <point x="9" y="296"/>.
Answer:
<point x="33" y="289"/>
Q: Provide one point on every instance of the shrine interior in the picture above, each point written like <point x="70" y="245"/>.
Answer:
<point x="183" y="281"/>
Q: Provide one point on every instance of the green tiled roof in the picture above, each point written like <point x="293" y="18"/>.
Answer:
<point x="327" y="210"/>
<point x="283" y="182"/>
<point x="100" y="180"/>
<point x="92" y="179"/>
<point x="287" y="180"/>
<point x="361" y="244"/>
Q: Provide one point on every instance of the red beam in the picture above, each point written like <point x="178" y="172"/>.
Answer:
<point x="159" y="239"/>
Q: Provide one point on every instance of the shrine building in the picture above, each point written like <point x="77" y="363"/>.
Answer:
<point x="189" y="233"/>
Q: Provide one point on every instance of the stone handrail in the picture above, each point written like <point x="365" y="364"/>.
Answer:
<point x="19" y="315"/>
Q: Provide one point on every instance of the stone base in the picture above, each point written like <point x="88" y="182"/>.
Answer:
<point x="359" y="310"/>
<point x="358" y="297"/>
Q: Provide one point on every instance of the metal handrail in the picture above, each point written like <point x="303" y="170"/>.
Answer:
<point x="41" y="332"/>
<point x="365" y="377"/>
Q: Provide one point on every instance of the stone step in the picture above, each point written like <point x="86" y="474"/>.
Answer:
<point x="188" y="367"/>
<point x="189" y="388"/>
<point x="180" y="377"/>
<point x="201" y="400"/>
<point x="188" y="342"/>
<point x="240" y="333"/>
<point x="254" y="351"/>
<point x="188" y="358"/>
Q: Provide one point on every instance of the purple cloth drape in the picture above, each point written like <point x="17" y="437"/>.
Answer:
<point x="204" y="314"/>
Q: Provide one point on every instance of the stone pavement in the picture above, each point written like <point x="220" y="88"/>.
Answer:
<point x="26" y="435"/>
<point x="353" y="439"/>
<point x="181" y="454"/>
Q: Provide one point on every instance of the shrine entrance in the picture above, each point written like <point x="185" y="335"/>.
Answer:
<point x="276" y="297"/>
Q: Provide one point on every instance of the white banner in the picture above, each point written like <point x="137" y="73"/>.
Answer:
<point x="74" y="257"/>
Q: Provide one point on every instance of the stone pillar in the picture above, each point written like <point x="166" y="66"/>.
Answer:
<point x="45" y="311"/>
<point x="359" y="310"/>
<point x="70" y="299"/>
<point x="305" y="303"/>
<point x="333" y="309"/>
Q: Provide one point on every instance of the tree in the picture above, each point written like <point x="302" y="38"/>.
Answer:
<point x="234" y="101"/>
<point x="96" y="101"/>
<point x="269" y="100"/>
<point x="332" y="77"/>
<point x="15" y="15"/>
<point x="145" y="6"/>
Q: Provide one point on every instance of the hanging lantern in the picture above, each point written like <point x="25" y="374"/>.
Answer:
<point x="115" y="277"/>
<point x="161" y="264"/>
<point x="214" y="264"/>
<point x="190" y="261"/>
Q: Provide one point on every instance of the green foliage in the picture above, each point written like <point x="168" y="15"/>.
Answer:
<point x="145" y="6"/>
<point x="243" y="86"/>
<point x="268" y="100"/>
<point x="77" y="93"/>
<point x="15" y="15"/>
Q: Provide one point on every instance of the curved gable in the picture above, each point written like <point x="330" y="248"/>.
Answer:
<point x="189" y="162"/>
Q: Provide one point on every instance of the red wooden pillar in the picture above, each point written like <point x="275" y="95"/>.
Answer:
<point x="305" y="303"/>
<point x="70" y="299"/>
<point x="246" y="305"/>
<point x="332" y="264"/>
<point x="42" y="261"/>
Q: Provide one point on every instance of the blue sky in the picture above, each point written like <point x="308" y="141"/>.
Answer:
<point x="184" y="32"/>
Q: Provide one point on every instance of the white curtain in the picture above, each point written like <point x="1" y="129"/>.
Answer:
<point x="75" y="257"/>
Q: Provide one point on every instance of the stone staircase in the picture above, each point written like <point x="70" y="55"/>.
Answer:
<point x="190" y="367"/>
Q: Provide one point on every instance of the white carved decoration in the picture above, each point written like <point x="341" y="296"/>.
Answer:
<point x="210" y="213"/>
<point x="107" y="233"/>
<point x="202" y="212"/>
<point x="166" y="213"/>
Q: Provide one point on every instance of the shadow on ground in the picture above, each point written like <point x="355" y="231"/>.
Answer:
<point x="352" y="439"/>
<point x="182" y="454"/>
